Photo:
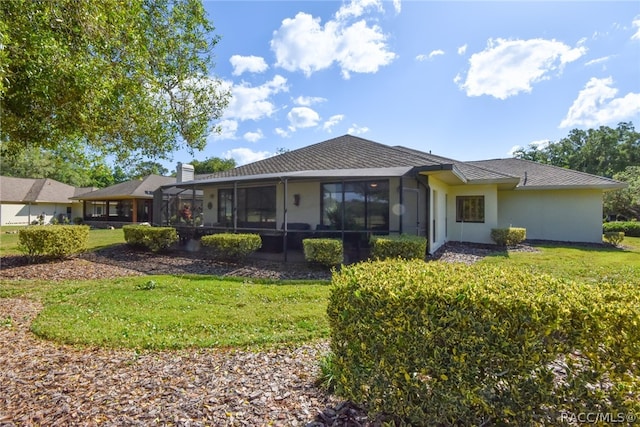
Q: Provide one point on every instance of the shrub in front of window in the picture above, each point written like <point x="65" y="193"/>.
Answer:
<point x="629" y="228"/>
<point x="56" y="242"/>
<point x="614" y="237"/>
<point x="233" y="247"/>
<point x="154" y="239"/>
<point x="450" y="344"/>
<point x="511" y="236"/>
<point x="327" y="252"/>
<point x="402" y="246"/>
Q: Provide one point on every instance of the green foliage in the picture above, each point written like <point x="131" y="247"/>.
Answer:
<point x="508" y="236"/>
<point x="402" y="246"/>
<point x="327" y="252"/>
<point x="603" y="151"/>
<point x="626" y="201"/>
<point x="231" y="246"/>
<point x="212" y="164"/>
<point x="614" y="237"/>
<point x="449" y="344"/>
<point x="629" y="228"/>
<point x="154" y="239"/>
<point x="55" y="242"/>
<point x="122" y="79"/>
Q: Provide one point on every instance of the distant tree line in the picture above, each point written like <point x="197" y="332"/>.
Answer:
<point x="613" y="153"/>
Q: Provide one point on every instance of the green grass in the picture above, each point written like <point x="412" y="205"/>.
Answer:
<point x="166" y="312"/>
<point x="97" y="239"/>
<point x="586" y="264"/>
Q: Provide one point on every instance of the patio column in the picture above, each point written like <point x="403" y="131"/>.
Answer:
<point x="134" y="207"/>
<point x="235" y="206"/>
<point x="284" y="235"/>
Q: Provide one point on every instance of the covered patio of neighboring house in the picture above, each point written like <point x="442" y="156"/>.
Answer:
<point x="120" y="204"/>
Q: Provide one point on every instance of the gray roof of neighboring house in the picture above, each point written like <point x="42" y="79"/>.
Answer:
<point x="349" y="153"/>
<point x="137" y="188"/>
<point x="35" y="190"/>
<point x="535" y="175"/>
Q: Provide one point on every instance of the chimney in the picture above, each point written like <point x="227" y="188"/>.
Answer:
<point x="184" y="173"/>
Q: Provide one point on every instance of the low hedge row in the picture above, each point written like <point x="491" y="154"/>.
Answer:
<point x="613" y="237"/>
<point x="510" y="236"/>
<point x="327" y="252"/>
<point x="56" y="242"/>
<point x="447" y="344"/>
<point x="398" y="246"/>
<point x="231" y="246"/>
<point x="629" y="228"/>
<point x="154" y="239"/>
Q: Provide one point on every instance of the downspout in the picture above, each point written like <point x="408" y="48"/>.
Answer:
<point x="284" y="235"/>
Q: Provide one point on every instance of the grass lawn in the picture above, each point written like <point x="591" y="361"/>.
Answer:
<point x="170" y="312"/>
<point x="587" y="264"/>
<point x="97" y="239"/>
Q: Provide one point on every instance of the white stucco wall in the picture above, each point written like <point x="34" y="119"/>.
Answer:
<point x="308" y="211"/>
<point x="438" y="212"/>
<point x="472" y="231"/>
<point x="23" y="214"/>
<point x="561" y="215"/>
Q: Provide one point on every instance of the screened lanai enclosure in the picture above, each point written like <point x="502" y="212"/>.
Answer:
<point x="286" y="208"/>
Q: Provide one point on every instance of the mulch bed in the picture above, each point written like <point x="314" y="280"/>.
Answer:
<point x="43" y="383"/>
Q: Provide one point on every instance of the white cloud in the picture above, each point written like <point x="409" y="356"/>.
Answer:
<point x="422" y="57"/>
<point x="435" y="53"/>
<point x="253" y="136"/>
<point x="242" y="155"/>
<point x="228" y="129"/>
<point x="306" y="101"/>
<point x="462" y="49"/>
<point x="508" y="67"/>
<point x="397" y="6"/>
<point x="636" y="24"/>
<point x="303" y="44"/>
<point x="357" y="8"/>
<point x="597" y="105"/>
<point x="252" y="64"/>
<point x="539" y="145"/>
<point x="282" y="133"/>
<point x="253" y="103"/>
<point x="357" y="130"/>
<point x="302" y="117"/>
<point x="513" y="150"/>
<point x="333" y="120"/>
<point x="597" y="61"/>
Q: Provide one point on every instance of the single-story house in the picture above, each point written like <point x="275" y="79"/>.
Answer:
<point x="25" y="200"/>
<point x="126" y="202"/>
<point x="353" y="187"/>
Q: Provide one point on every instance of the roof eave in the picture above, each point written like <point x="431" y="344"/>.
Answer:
<point x="603" y="187"/>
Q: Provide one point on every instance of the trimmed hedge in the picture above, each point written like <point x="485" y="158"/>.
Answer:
<point x="232" y="246"/>
<point x="328" y="252"/>
<point x="154" y="239"/>
<point x="629" y="228"/>
<point x="449" y="344"/>
<point x="402" y="246"/>
<point x="508" y="236"/>
<point x="614" y="237"/>
<point x="58" y="241"/>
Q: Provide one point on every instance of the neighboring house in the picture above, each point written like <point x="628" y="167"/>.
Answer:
<point x="352" y="187"/>
<point x="25" y="200"/>
<point x="127" y="202"/>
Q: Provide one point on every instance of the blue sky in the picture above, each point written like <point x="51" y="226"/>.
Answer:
<point x="465" y="80"/>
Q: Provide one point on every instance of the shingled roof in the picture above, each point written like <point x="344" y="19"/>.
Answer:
<point x="535" y="175"/>
<point x="349" y="153"/>
<point x="137" y="188"/>
<point x="35" y="190"/>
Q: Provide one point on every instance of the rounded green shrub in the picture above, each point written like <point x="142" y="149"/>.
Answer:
<point x="403" y="246"/>
<point x="511" y="236"/>
<point x="327" y="252"/>
<point x="232" y="246"/>
<point x="629" y="228"/>
<point x="154" y="239"/>
<point x="53" y="241"/>
<point x="450" y="344"/>
<point x="614" y="237"/>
